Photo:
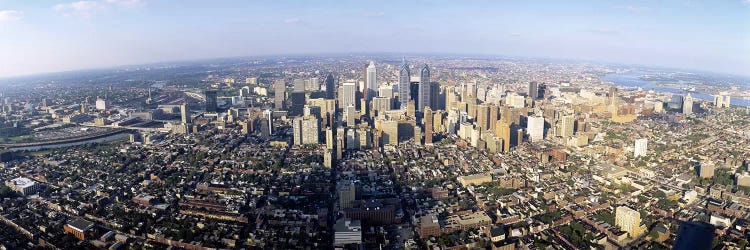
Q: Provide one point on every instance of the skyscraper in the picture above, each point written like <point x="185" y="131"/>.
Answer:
<point x="279" y="94"/>
<point x="567" y="126"/>
<point x="424" y="88"/>
<point x="687" y="105"/>
<point x="372" y="81"/>
<point x="184" y="113"/>
<point x="347" y="95"/>
<point x="483" y="116"/>
<point x="629" y="220"/>
<point x="533" y="90"/>
<point x="211" y="105"/>
<point x="404" y="88"/>
<point x="306" y="130"/>
<point x="330" y="88"/>
<point x="535" y="128"/>
<point x="427" y="121"/>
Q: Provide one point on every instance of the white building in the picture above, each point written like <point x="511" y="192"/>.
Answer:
<point x="641" y="145"/>
<point x="347" y="95"/>
<point x="372" y="81"/>
<point x="687" y="105"/>
<point x="22" y="185"/>
<point x="535" y="128"/>
<point x="101" y="104"/>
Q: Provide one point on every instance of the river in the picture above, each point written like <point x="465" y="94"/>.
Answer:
<point x="632" y="79"/>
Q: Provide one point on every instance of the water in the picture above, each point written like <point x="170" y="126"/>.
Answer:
<point x="632" y="79"/>
<point x="61" y="145"/>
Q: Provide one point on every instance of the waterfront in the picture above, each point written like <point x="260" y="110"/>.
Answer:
<point x="632" y="79"/>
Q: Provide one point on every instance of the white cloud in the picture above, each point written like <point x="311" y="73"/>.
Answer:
<point x="634" y="9"/>
<point x="375" y="14"/>
<point x="9" y="15"/>
<point x="89" y="8"/>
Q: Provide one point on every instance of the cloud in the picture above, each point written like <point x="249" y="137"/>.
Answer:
<point x="634" y="9"/>
<point x="9" y="15"/>
<point x="89" y="8"/>
<point x="603" y="31"/>
<point x="375" y="14"/>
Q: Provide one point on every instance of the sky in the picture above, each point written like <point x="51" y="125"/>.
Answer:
<point x="51" y="36"/>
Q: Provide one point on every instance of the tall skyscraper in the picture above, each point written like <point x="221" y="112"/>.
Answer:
<point x="279" y="94"/>
<point x="424" y="88"/>
<point x="723" y="100"/>
<point x="211" y="105"/>
<point x="347" y="95"/>
<point x="404" y="88"/>
<point x="268" y="119"/>
<point x="493" y="117"/>
<point x="687" y="105"/>
<point x="483" y="116"/>
<point x="427" y="121"/>
<point x="535" y="128"/>
<point x="567" y="126"/>
<point x="305" y="130"/>
<point x="330" y="88"/>
<point x="641" y="147"/>
<point x="372" y="81"/>
<point x="184" y="113"/>
<point x="533" y="90"/>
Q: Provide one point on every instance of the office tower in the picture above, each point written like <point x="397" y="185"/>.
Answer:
<point x="424" y="88"/>
<point x="298" y="85"/>
<point x="514" y="100"/>
<point x="687" y="105"/>
<point x="694" y="235"/>
<point x="435" y="101"/>
<point x="340" y="142"/>
<point x="351" y="115"/>
<point x="211" y="105"/>
<point x="364" y="138"/>
<point x="629" y="220"/>
<point x="372" y="81"/>
<point x="347" y="193"/>
<point x="386" y="91"/>
<point x="676" y="102"/>
<point x="184" y="113"/>
<point x="410" y="109"/>
<point x="503" y="130"/>
<point x="312" y="84"/>
<point x="535" y="127"/>
<point x="533" y="90"/>
<point x="493" y="117"/>
<point x="328" y="158"/>
<point x="352" y="139"/>
<point x="101" y="104"/>
<point x="330" y="88"/>
<point x="279" y="95"/>
<point x="722" y="100"/>
<point x="306" y="130"/>
<point x="330" y="138"/>
<point x="268" y="116"/>
<point x="641" y="147"/>
<point x="404" y="85"/>
<point x="390" y="132"/>
<point x="380" y="105"/>
<point x="297" y="101"/>
<point x="567" y="126"/>
<point x="347" y="95"/>
<point x="483" y="116"/>
<point x="428" y="123"/>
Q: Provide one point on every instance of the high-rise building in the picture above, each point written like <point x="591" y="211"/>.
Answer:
<point x="298" y="85"/>
<point x="483" y="116"/>
<point x="211" y="105"/>
<point x="641" y="147"/>
<point x="535" y="128"/>
<point x="306" y="130"/>
<point x="676" y="102"/>
<point x="533" y="90"/>
<point x="723" y="100"/>
<point x="330" y="88"/>
<point x="493" y="117"/>
<point x="687" y="105"/>
<point x="380" y="105"/>
<point x="629" y="220"/>
<point x="347" y="193"/>
<point x="330" y="138"/>
<point x="184" y="113"/>
<point x="706" y="170"/>
<point x="297" y="101"/>
<point x="390" y="132"/>
<point x="404" y="88"/>
<point x="347" y="95"/>
<point x="372" y="81"/>
<point x="427" y="121"/>
<point x="279" y="95"/>
<point x="567" y="126"/>
<point x="101" y="104"/>
<point x="424" y="88"/>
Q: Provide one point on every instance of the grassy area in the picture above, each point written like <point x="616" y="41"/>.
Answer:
<point x="17" y="139"/>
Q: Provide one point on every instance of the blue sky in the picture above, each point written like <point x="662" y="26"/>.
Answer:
<point x="48" y="36"/>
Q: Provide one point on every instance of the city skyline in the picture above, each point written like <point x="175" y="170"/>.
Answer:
<point x="64" y="36"/>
